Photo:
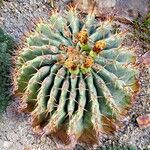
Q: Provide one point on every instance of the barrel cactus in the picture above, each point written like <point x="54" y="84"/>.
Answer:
<point x="74" y="77"/>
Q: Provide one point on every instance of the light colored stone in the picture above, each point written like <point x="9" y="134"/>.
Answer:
<point x="144" y="121"/>
<point x="7" y="144"/>
<point x="106" y="3"/>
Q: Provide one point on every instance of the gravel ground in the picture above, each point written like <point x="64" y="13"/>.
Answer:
<point x="16" y="18"/>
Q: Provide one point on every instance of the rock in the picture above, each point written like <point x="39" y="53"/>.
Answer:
<point x="106" y="3"/>
<point x="99" y="3"/>
<point x="7" y="144"/>
<point x="123" y="8"/>
<point x="27" y="148"/>
<point x="144" y="121"/>
<point x="145" y="59"/>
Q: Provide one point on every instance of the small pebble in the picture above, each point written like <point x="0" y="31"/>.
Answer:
<point x="7" y="144"/>
<point x="144" y="121"/>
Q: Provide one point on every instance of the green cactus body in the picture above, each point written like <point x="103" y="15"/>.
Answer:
<point x="74" y="76"/>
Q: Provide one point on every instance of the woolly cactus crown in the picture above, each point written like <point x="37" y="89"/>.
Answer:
<point x="73" y="75"/>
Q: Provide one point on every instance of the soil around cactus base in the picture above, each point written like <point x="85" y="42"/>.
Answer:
<point x="15" y="129"/>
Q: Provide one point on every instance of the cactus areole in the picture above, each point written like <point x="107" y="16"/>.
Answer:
<point x="74" y="77"/>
